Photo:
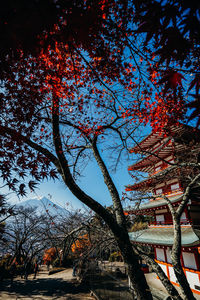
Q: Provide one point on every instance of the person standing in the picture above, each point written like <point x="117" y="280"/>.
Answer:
<point x="35" y="270"/>
<point x="74" y="268"/>
<point x="27" y="269"/>
<point x="48" y="265"/>
<point x="12" y="272"/>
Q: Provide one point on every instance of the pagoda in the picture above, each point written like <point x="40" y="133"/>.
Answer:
<point x="162" y="153"/>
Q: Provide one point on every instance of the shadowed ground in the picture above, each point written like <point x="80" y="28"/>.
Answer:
<point x="57" y="286"/>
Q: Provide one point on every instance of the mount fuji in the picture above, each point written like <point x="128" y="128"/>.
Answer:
<point x="43" y="205"/>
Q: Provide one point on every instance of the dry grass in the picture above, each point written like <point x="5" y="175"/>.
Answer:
<point x="138" y="226"/>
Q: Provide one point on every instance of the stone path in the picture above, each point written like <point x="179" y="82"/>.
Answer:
<point x="60" y="286"/>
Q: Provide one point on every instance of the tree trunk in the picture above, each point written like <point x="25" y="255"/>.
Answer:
<point x="172" y="291"/>
<point x="182" y="280"/>
<point x="176" y="262"/>
<point x="136" y="275"/>
<point x="176" y="248"/>
<point x="115" y="223"/>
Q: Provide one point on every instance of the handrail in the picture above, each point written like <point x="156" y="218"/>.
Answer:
<point x="170" y="194"/>
<point x="170" y="265"/>
<point x="169" y="222"/>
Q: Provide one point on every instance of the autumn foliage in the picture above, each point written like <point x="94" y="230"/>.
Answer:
<point x="50" y="255"/>
<point x="82" y="81"/>
<point x="78" y="87"/>
<point x="81" y="244"/>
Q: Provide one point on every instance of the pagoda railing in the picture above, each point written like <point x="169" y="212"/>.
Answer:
<point x="161" y="169"/>
<point x="168" y="222"/>
<point x="169" y="194"/>
<point x="174" y="193"/>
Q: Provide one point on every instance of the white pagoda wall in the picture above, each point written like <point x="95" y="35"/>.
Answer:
<point x="160" y="254"/>
<point x="192" y="277"/>
<point x="193" y="280"/>
<point x="189" y="260"/>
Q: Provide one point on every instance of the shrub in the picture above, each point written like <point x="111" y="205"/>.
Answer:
<point x="115" y="256"/>
<point x="68" y="262"/>
<point x="56" y="262"/>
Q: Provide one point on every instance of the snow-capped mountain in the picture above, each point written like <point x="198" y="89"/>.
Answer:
<point x="43" y="206"/>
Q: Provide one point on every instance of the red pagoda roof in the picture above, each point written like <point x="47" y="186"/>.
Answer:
<point x="160" y="203"/>
<point x="146" y="163"/>
<point x="152" y="180"/>
<point x="139" y="186"/>
<point x="155" y="137"/>
<point x="147" y="142"/>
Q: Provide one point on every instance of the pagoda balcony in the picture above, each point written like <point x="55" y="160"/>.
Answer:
<point x="164" y="167"/>
<point x="168" y="223"/>
<point x="169" y="194"/>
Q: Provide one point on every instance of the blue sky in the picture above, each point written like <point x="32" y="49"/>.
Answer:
<point x="92" y="183"/>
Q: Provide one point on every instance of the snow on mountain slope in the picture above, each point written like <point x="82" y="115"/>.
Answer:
<point x="43" y="205"/>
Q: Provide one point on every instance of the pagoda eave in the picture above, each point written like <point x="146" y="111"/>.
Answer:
<point x="146" y="164"/>
<point x="165" y="236"/>
<point x="147" y="142"/>
<point x="156" y="137"/>
<point x="153" y="205"/>
<point x="139" y="186"/>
